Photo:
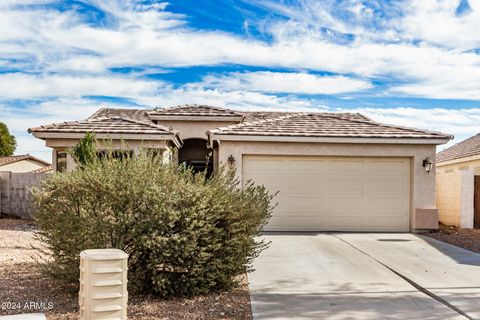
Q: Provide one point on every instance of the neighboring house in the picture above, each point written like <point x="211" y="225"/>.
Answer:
<point x="24" y="163"/>
<point x="333" y="171"/>
<point x="458" y="184"/>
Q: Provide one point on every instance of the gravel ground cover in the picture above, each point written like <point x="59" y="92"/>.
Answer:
<point x="23" y="288"/>
<point x="465" y="238"/>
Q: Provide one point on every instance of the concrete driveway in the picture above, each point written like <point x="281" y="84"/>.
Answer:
<point x="364" y="276"/>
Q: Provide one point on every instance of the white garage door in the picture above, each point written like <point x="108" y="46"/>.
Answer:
<point x="334" y="194"/>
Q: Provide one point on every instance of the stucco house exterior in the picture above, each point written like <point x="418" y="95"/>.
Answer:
<point x="333" y="171"/>
<point x="458" y="184"/>
<point x="24" y="163"/>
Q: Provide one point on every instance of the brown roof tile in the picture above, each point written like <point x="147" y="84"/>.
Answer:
<point x="194" y="110"/>
<point x="43" y="170"/>
<point x="466" y="148"/>
<point x="135" y="114"/>
<point x="12" y="159"/>
<point x="324" y="125"/>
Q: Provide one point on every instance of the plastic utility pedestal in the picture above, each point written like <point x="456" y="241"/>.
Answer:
<point x="103" y="284"/>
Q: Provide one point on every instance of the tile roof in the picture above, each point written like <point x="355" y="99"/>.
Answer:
<point x="253" y="123"/>
<point x="324" y="125"/>
<point x="12" y="159"/>
<point x="135" y="114"/>
<point x="466" y="148"/>
<point x="194" y="110"/>
<point x="105" y="125"/>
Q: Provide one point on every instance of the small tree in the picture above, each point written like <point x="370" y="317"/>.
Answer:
<point x="8" y="143"/>
<point x="85" y="151"/>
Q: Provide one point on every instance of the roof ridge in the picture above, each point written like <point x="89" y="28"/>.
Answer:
<point x="196" y="105"/>
<point x="96" y="113"/>
<point x="153" y="125"/>
<point x="109" y="112"/>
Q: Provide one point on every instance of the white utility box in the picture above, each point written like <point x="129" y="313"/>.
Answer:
<point x="103" y="284"/>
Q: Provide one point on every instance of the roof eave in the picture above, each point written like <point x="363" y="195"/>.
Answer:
<point x="364" y="140"/>
<point x="125" y="136"/>
<point x="458" y="160"/>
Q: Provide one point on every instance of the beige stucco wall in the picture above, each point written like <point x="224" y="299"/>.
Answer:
<point x="194" y="129"/>
<point x="26" y="165"/>
<point x="455" y="185"/>
<point x="422" y="184"/>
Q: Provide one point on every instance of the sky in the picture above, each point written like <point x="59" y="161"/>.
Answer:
<point x="409" y="62"/>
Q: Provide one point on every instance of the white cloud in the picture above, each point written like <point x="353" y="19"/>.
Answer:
<point x="436" y="22"/>
<point x="150" y="35"/>
<point x="146" y="35"/>
<point x="285" y="82"/>
<point x="25" y="86"/>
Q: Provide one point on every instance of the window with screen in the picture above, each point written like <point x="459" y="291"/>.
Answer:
<point x="61" y="161"/>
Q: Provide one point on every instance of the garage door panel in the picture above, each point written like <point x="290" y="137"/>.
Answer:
<point x="313" y="184"/>
<point x="294" y="205"/>
<point x="344" y="184"/>
<point x="305" y="166"/>
<point x="389" y="167"/>
<point x="263" y="166"/>
<point x="388" y="185"/>
<point x="344" y="166"/>
<point x="345" y="203"/>
<point x="334" y="193"/>
<point x="388" y="205"/>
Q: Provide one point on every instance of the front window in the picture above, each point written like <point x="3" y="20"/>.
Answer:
<point x="116" y="154"/>
<point x="61" y="162"/>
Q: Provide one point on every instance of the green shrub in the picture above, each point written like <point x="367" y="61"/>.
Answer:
<point x="85" y="151"/>
<point x="185" y="234"/>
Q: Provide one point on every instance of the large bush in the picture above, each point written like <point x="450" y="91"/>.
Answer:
<point x="185" y="234"/>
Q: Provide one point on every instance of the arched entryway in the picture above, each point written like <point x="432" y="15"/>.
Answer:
<point x="195" y="154"/>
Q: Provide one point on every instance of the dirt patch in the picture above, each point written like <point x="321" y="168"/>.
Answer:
<point x="24" y="289"/>
<point x="465" y="238"/>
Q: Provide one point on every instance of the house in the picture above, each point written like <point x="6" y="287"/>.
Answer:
<point x="458" y="184"/>
<point x="333" y="171"/>
<point x="24" y="163"/>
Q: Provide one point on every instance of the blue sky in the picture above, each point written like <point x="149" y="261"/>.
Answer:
<point x="412" y="63"/>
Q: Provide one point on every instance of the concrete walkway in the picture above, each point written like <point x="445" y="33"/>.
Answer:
<point x="364" y="276"/>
